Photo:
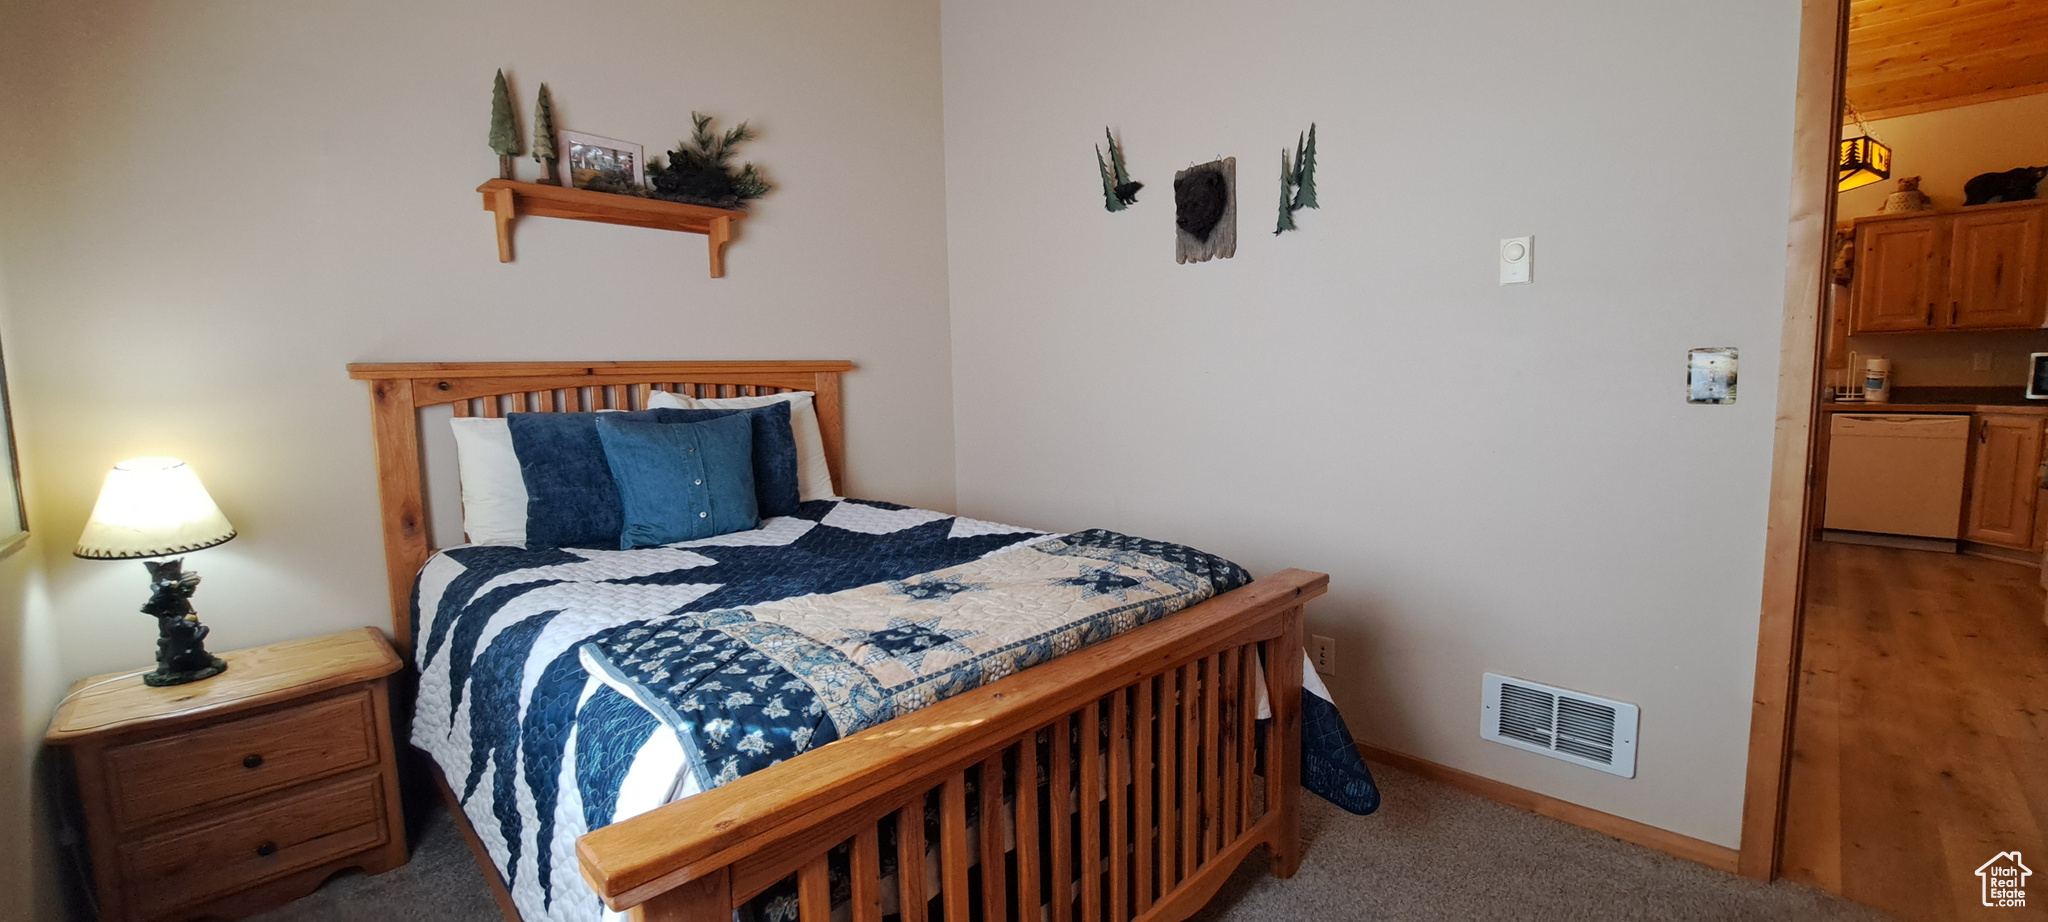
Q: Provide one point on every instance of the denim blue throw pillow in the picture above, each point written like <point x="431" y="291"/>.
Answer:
<point x="571" y="500"/>
<point x="681" y="481"/>
<point x="776" y="489"/>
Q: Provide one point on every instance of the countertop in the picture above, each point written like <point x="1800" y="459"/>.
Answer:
<point x="2010" y="399"/>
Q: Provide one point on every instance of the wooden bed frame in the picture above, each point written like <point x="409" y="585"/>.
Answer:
<point x="1157" y="781"/>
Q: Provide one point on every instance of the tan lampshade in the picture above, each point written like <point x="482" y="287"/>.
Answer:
<point x="152" y="507"/>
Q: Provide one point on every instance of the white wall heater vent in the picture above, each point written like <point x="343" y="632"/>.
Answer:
<point x="1580" y="729"/>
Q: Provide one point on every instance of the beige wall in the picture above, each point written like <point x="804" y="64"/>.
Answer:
<point x="31" y="682"/>
<point x="19" y="729"/>
<point x="1947" y="359"/>
<point x="1945" y="149"/>
<point x="1498" y="479"/>
<point x="29" y="688"/>
<point x="219" y="204"/>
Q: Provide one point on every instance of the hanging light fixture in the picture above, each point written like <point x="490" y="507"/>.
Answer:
<point x="1861" y="160"/>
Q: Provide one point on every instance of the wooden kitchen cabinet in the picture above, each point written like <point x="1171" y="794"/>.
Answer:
<point x="2004" y="471"/>
<point x="1994" y="262"/>
<point x="1897" y="282"/>
<point x="1977" y="269"/>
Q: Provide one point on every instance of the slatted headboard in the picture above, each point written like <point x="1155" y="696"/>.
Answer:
<point x="398" y="392"/>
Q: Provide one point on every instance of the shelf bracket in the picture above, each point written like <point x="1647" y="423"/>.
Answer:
<point x="717" y="236"/>
<point x="503" y="208"/>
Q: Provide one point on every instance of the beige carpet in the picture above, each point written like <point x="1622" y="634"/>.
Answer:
<point x="1435" y="853"/>
<point x="1429" y="853"/>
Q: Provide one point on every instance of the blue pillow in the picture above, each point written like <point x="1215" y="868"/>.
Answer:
<point x="776" y="489"/>
<point x="571" y="500"/>
<point x="681" y="481"/>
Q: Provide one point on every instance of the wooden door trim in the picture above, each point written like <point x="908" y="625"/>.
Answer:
<point x="1823" y="34"/>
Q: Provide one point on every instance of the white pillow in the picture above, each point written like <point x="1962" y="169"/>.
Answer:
<point x="813" y="474"/>
<point x="493" y="492"/>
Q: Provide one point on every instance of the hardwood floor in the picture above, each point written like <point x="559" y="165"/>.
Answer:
<point x="1920" y="736"/>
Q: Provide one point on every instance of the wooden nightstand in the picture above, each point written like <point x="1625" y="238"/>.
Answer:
<point x="241" y="792"/>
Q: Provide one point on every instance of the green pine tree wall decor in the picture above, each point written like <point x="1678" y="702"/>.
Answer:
<point x="1297" y="181"/>
<point x="1305" y="170"/>
<point x="1110" y="202"/>
<point x="544" y="137"/>
<point x="1286" y="222"/>
<point x="1118" y="191"/>
<point x="504" y="135"/>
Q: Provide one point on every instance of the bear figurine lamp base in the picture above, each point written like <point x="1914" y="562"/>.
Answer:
<point x="156" y="507"/>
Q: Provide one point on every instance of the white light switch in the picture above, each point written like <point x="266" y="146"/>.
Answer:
<point x="1517" y="260"/>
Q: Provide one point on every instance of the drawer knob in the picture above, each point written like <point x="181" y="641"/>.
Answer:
<point x="266" y="850"/>
<point x="252" y="761"/>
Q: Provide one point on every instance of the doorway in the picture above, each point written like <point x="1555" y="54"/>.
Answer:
<point x="1918" y="750"/>
<point x="1901" y="719"/>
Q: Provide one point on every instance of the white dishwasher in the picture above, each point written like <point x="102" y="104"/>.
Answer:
<point x="1897" y="474"/>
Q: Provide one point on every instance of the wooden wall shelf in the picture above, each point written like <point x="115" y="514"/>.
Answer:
<point x="507" y="199"/>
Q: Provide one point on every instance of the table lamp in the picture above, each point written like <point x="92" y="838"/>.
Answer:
<point x="156" y="507"/>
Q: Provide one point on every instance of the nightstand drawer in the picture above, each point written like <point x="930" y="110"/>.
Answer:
<point x="263" y="840"/>
<point x="161" y="778"/>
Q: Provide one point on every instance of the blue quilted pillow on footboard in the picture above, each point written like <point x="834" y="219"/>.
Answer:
<point x="1331" y="766"/>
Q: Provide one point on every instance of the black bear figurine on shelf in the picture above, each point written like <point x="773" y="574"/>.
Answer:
<point x="2019" y="185"/>
<point x="181" y="640"/>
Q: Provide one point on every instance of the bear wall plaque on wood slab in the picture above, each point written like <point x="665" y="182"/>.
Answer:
<point x="1205" y="211"/>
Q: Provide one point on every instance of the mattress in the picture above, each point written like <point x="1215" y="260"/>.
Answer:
<point x="530" y="661"/>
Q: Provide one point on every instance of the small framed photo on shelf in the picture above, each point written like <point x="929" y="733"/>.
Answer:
<point x="601" y="164"/>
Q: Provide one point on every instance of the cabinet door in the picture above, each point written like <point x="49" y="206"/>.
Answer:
<point x="1897" y="284"/>
<point x="2002" y="487"/>
<point x="1993" y="270"/>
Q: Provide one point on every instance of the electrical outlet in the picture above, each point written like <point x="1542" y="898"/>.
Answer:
<point x="1980" y="361"/>
<point x="1325" y="652"/>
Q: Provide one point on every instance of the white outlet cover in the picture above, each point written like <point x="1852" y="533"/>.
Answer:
<point x="1323" y="652"/>
<point x="1517" y="260"/>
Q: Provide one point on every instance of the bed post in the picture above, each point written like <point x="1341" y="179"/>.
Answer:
<point x="706" y="899"/>
<point x="1285" y="786"/>
<point x="399" y="492"/>
<point x="831" y="429"/>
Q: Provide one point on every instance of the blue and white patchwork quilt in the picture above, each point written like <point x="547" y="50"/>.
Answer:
<point x="565" y="689"/>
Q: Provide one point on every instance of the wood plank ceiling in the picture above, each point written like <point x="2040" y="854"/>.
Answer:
<point x="1908" y="56"/>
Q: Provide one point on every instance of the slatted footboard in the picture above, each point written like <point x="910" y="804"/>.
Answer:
<point x="1124" y="781"/>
